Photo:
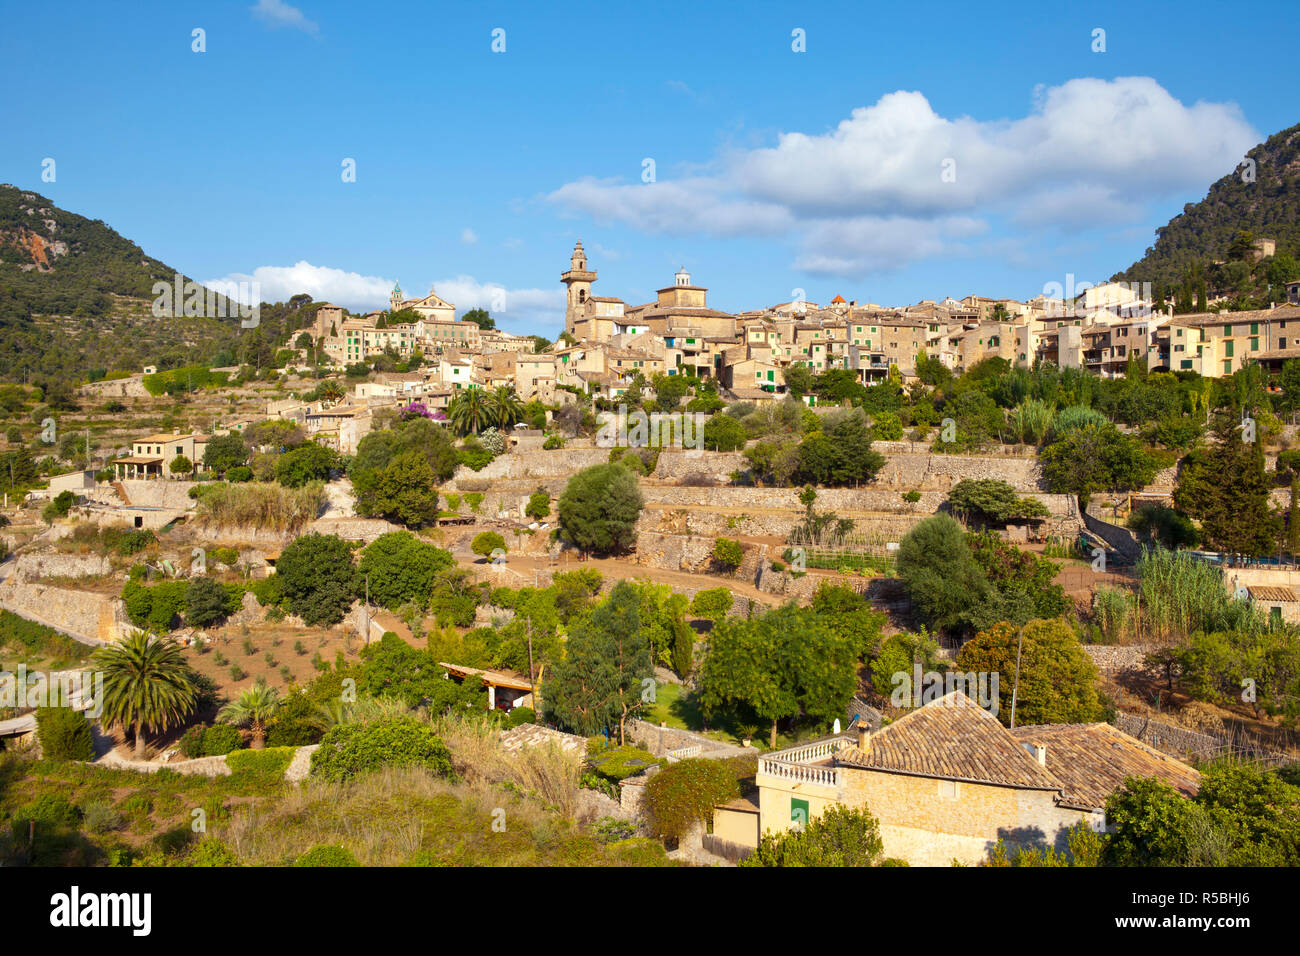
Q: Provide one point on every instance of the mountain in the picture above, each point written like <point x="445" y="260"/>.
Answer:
<point x="76" y="297"/>
<point x="1268" y="208"/>
<point x="56" y="262"/>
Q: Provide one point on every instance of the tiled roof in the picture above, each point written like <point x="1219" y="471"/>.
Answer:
<point x="952" y="738"/>
<point x="1274" y="593"/>
<point x="1091" y="761"/>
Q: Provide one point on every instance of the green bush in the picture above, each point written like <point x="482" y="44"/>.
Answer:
<point x="712" y="604"/>
<point x="270" y="762"/>
<point x="351" y="749"/>
<point x="100" y="818"/>
<point x="618" y="763"/>
<point x="728" y="554"/>
<point x="521" y="715"/>
<point x="327" y="856"/>
<point x="50" y="808"/>
<point x="211" y="852"/>
<point x="64" y="734"/>
<point x="842" y="836"/>
<point x="486" y="542"/>
<point x="685" y="793"/>
<point x="221" y="739"/>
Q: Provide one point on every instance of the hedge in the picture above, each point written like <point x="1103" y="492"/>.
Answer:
<point x="64" y="734"/>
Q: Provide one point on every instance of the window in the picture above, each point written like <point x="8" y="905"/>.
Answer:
<point x="1227" y="348"/>
<point x="948" y="789"/>
<point x="798" y="811"/>
<point x="1254" y="343"/>
<point x="1185" y="363"/>
<point x="1254" y="328"/>
<point x="1227" y="366"/>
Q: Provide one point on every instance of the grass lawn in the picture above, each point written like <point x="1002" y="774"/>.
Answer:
<point x="677" y="707"/>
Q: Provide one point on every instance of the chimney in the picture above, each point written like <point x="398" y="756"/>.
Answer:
<point x="863" y="733"/>
<point x="1038" y="752"/>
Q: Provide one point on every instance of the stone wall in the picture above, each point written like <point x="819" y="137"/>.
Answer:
<point x="1170" y="738"/>
<point x="558" y="463"/>
<point x="32" y="566"/>
<point x="1117" y="658"/>
<point x="84" y="615"/>
<point x="159" y="493"/>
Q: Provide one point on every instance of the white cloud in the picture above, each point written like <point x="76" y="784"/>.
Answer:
<point x="468" y="236"/>
<point x="871" y="194"/>
<point x="520" y="310"/>
<point x="277" y="13"/>
<point x="278" y="283"/>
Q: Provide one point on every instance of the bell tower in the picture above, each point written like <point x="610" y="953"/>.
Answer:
<point x="578" y="282"/>
<point x="395" y="298"/>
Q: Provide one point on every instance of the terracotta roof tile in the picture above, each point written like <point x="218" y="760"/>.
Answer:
<point x="1092" y="761"/>
<point x="954" y="739"/>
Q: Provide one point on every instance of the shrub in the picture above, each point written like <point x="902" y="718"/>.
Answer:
<point x="712" y="604"/>
<point x="685" y="793"/>
<point x="100" y="818"/>
<point x="521" y="715"/>
<point x="270" y="762"/>
<point x="911" y="497"/>
<point x="474" y="499"/>
<point x="239" y="474"/>
<point x="841" y="836"/>
<point x="211" y="852"/>
<point x="266" y="506"/>
<point x="351" y="749"/>
<point x="205" y="602"/>
<point x="486" y="542"/>
<point x="64" y="734"/>
<point x="50" y="808"/>
<point x="539" y="505"/>
<point x="221" y="739"/>
<point x="327" y="856"/>
<point x="727" y="554"/>
<point x="618" y="763"/>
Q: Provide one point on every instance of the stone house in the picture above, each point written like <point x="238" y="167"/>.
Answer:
<point x="948" y="781"/>
<point x="152" y="455"/>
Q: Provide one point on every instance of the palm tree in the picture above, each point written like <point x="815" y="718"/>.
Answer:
<point x="253" y="708"/>
<point x="147" y="685"/>
<point x="470" y="411"/>
<point x="506" y="407"/>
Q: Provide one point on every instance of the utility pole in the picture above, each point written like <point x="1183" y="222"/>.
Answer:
<point x="367" y="610"/>
<point x="1015" y="688"/>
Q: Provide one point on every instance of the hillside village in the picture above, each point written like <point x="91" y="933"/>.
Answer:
<point x="980" y="580"/>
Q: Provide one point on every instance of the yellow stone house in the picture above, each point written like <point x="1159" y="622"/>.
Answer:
<point x="948" y="781"/>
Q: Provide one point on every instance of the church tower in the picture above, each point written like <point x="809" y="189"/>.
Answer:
<point x="395" y="298"/>
<point x="578" y="282"/>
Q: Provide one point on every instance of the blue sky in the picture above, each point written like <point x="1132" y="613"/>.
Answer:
<point x="775" y="170"/>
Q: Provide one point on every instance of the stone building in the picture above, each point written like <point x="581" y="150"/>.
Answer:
<point x="948" y="781"/>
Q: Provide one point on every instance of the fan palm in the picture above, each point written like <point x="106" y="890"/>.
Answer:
<point x="506" y="407"/>
<point x="253" y="708"/>
<point x="147" y="685"/>
<point x="470" y="411"/>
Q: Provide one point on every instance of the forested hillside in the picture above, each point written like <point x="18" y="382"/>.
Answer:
<point x="1215" y="230"/>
